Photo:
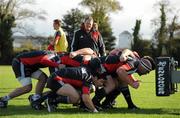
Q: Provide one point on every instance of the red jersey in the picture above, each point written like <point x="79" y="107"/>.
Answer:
<point x="38" y="59"/>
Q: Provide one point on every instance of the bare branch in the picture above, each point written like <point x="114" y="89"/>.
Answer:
<point x="21" y="10"/>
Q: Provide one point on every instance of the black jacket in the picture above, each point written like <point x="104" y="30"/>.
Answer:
<point x="82" y="39"/>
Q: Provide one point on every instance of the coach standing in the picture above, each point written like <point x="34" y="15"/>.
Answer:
<point x="86" y="38"/>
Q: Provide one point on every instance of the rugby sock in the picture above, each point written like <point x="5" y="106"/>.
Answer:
<point x="111" y="97"/>
<point x="46" y="95"/>
<point x="6" y="98"/>
<point x="126" y="93"/>
<point x="99" y="95"/>
<point x="61" y="99"/>
<point x="35" y="97"/>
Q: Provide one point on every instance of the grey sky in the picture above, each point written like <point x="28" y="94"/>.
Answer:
<point x="120" y="21"/>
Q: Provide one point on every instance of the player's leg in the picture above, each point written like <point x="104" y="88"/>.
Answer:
<point x="24" y="80"/>
<point x="124" y="89"/>
<point x="70" y="92"/>
<point x="26" y="88"/>
<point x="102" y="92"/>
<point x="127" y="95"/>
<point x="56" y="84"/>
<point x="111" y="96"/>
<point x="66" y="93"/>
<point x="42" y="79"/>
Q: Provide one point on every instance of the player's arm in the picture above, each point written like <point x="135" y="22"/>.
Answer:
<point x="98" y="82"/>
<point x="86" y="97"/>
<point x="115" y="51"/>
<point x="125" y="53"/>
<point x="57" y="38"/>
<point x="50" y="47"/>
<point x="46" y="61"/>
<point x="83" y="51"/>
<point x="123" y="76"/>
<point x="88" y="102"/>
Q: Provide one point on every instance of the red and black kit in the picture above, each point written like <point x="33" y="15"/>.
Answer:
<point x="112" y="62"/>
<point x="26" y="63"/>
<point x="78" y="77"/>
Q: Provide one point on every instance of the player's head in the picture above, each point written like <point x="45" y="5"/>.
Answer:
<point x="95" y="26"/>
<point x="88" y="23"/>
<point x="146" y="64"/>
<point x="95" y="65"/>
<point x="56" y="24"/>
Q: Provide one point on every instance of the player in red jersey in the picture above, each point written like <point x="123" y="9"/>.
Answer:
<point x="112" y="66"/>
<point x="122" y="71"/>
<point x="27" y="65"/>
<point x="66" y="81"/>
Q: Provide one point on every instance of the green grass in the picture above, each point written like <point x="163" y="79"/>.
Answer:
<point x="144" y="97"/>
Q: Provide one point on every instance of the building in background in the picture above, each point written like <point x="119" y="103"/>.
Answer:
<point x="125" y="40"/>
<point x="29" y="43"/>
<point x="177" y="34"/>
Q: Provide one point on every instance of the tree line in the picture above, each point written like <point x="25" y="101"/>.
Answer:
<point x="163" y="42"/>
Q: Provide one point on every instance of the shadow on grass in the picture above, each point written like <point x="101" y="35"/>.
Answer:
<point x="6" y="88"/>
<point x="162" y="111"/>
<point x="27" y="110"/>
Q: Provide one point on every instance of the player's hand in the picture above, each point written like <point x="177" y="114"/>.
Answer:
<point x="136" y="84"/>
<point x="123" y="58"/>
<point x="98" y="82"/>
<point x="72" y="54"/>
<point x="125" y="54"/>
<point x="95" y="111"/>
<point x="87" y="57"/>
<point x="114" y="52"/>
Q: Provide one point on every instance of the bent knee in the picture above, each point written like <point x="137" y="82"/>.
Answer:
<point x="74" y="99"/>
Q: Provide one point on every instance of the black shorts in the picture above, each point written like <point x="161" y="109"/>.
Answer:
<point x="54" y="85"/>
<point x="21" y="70"/>
<point x="53" y="69"/>
<point x="76" y="74"/>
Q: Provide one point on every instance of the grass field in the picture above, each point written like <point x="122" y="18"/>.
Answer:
<point x="144" y="97"/>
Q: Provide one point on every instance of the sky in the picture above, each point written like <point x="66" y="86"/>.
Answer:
<point x="120" y="21"/>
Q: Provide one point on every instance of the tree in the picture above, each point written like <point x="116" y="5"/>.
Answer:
<point x="101" y="8"/>
<point x="173" y="26"/>
<point x="136" y="39"/>
<point x="162" y="35"/>
<point x="11" y="12"/>
<point x="106" y="32"/>
<point x="143" y="47"/>
<point x="99" y="11"/>
<point x="71" y="22"/>
<point x="6" y="23"/>
<point x="162" y="32"/>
